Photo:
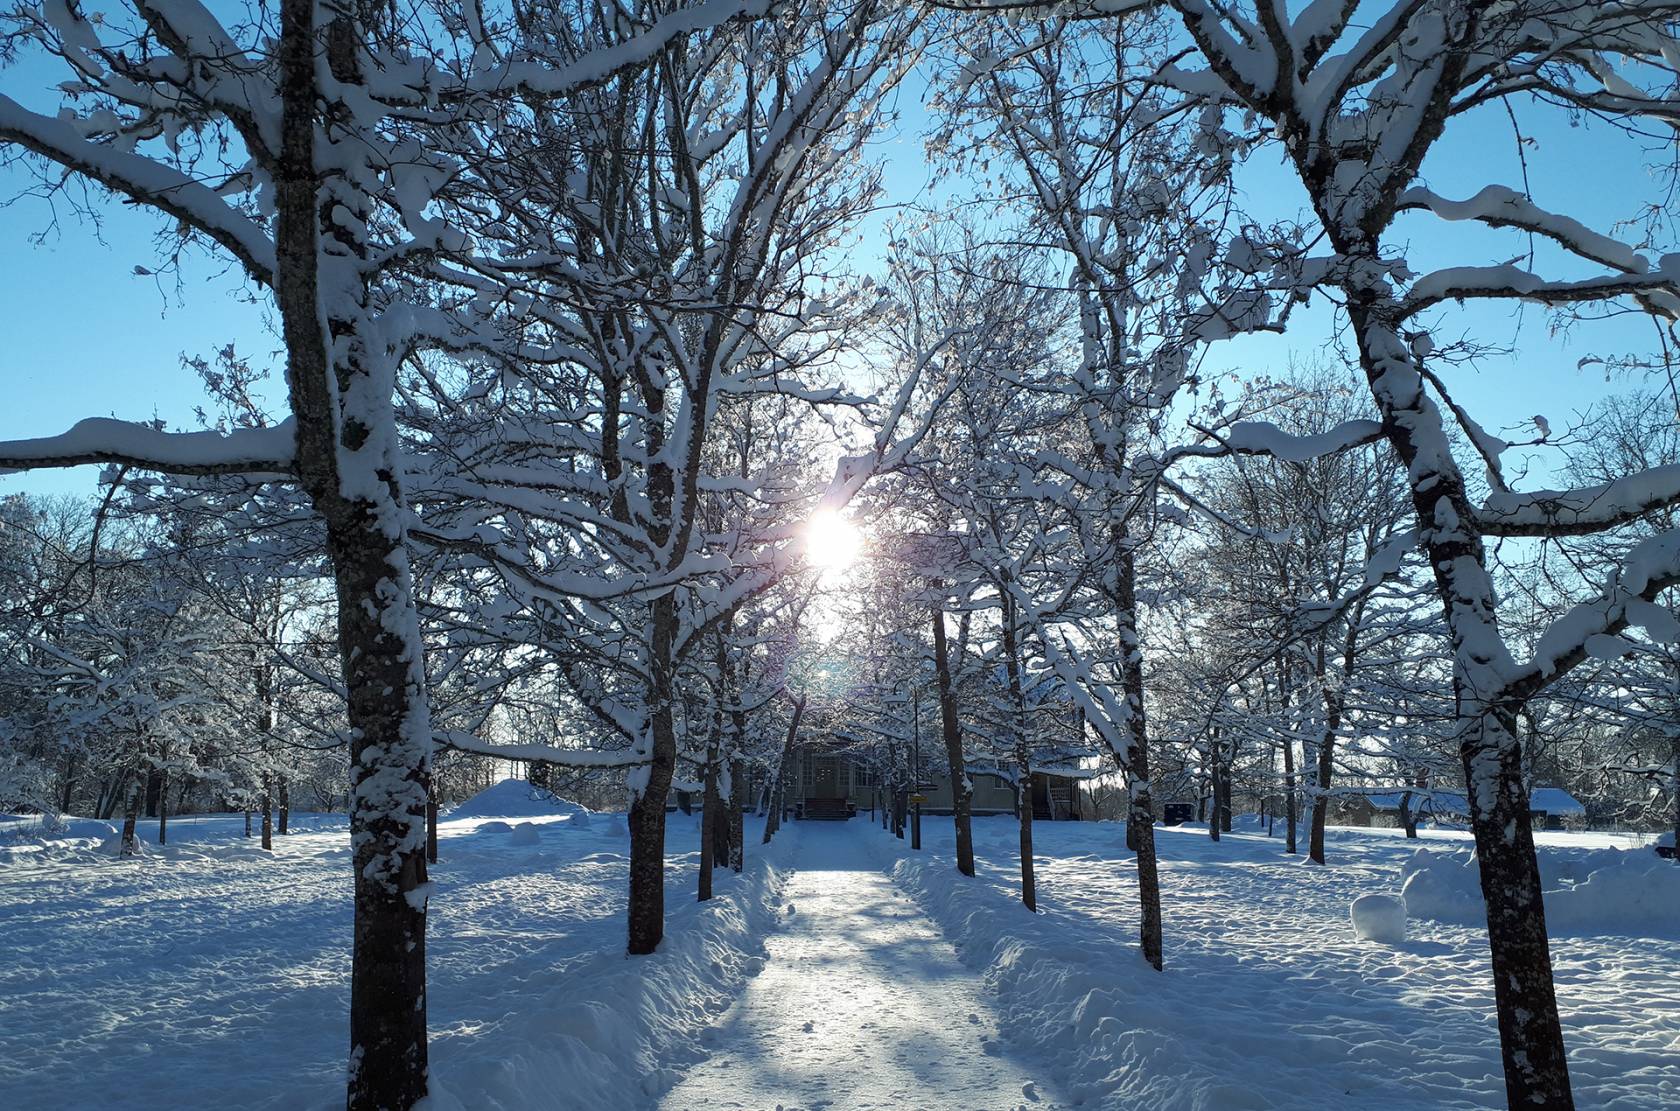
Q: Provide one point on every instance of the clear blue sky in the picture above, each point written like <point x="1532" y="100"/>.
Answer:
<point x="87" y="336"/>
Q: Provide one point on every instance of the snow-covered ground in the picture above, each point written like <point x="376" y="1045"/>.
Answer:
<point x="208" y="974"/>
<point x="1268" y="999"/>
<point x="863" y="1006"/>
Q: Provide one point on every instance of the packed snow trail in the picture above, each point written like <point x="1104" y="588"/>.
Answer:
<point x="863" y="1006"/>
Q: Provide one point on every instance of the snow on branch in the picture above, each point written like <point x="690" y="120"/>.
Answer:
<point x="1585" y="510"/>
<point x="1259" y="437"/>
<point x="1502" y="207"/>
<point x="1462" y="283"/>
<point x="105" y="440"/>
<point x="600" y="64"/>
<point x="1590" y="630"/>
<point x="143" y="180"/>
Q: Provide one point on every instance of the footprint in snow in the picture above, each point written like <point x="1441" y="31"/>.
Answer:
<point x="809" y="1027"/>
<point x="1030" y="1091"/>
<point x="788" y="910"/>
<point x="974" y="1019"/>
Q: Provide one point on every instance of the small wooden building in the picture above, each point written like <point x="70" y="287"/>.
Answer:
<point x="828" y="783"/>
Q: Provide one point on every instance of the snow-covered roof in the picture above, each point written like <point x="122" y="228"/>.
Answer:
<point x="1548" y="800"/>
<point x="1070" y="771"/>
<point x="1555" y="800"/>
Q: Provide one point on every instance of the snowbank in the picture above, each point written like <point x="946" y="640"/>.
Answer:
<point x="514" y="798"/>
<point x="612" y="1033"/>
<point x="1594" y="891"/>
<point x="1107" y="1026"/>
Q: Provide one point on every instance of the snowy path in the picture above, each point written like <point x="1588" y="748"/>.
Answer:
<point x="863" y="1006"/>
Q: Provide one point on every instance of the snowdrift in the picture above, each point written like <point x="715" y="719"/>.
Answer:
<point x="514" y="798"/>
<point x="1111" y="1031"/>
<point x="1592" y="891"/>
<point x="611" y="1033"/>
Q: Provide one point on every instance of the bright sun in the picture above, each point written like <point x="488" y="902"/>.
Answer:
<point x="831" y="542"/>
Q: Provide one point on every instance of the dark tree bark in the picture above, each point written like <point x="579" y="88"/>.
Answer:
<point x="1215" y="784"/>
<point x="1530" y="1031"/>
<point x="737" y="808"/>
<point x="431" y="823"/>
<point x="163" y="807"/>
<point x="1291" y="801"/>
<point x="154" y="789"/>
<point x="646" y="913"/>
<point x="285" y="791"/>
<point x="267" y="813"/>
<point x="68" y="790"/>
<point x="1023" y="755"/>
<point x="348" y="463"/>
<point x="1674" y="757"/>
<point x="779" y="795"/>
<point x="709" y="821"/>
<point x="1335" y="698"/>
<point x="1140" y="805"/>
<point x="133" y="800"/>
<point x="962" y="793"/>
<point x="1408" y="820"/>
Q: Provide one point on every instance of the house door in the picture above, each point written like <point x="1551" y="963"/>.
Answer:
<point x="825" y="779"/>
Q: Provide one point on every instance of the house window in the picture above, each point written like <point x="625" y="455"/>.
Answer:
<point x="863" y="776"/>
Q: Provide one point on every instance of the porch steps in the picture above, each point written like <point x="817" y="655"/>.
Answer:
<point x="827" y="810"/>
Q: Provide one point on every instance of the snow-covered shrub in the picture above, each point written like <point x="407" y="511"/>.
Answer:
<point x="525" y="833"/>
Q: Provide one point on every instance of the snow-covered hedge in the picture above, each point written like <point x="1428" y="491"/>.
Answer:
<point x="1597" y="891"/>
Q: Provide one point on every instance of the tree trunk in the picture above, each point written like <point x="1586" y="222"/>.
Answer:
<point x="1023" y="755"/>
<point x="1290" y="799"/>
<point x="916" y="769"/>
<point x="1225" y="796"/>
<point x="154" y="788"/>
<point x="1334" y="700"/>
<point x="267" y="813"/>
<point x="646" y="913"/>
<point x="285" y="806"/>
<point x="431" y="823"/>
<point x="774" y="821"/>
<point x="709" y="821"/>
<point x="1140" y="806"/>
<point x="1531" y="1035"/>
<point x="133" y="799"/>
<point x="1674" y="755"/>
<point x="1215" y="785"/>
<point x="737" y="810"/>
<point x="1408" y="820"/>
<point x="1536" y="1069"/>
<point x="962" y="793"/>
<point x="163" y="807"/>
<point x="349" y="462"/>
